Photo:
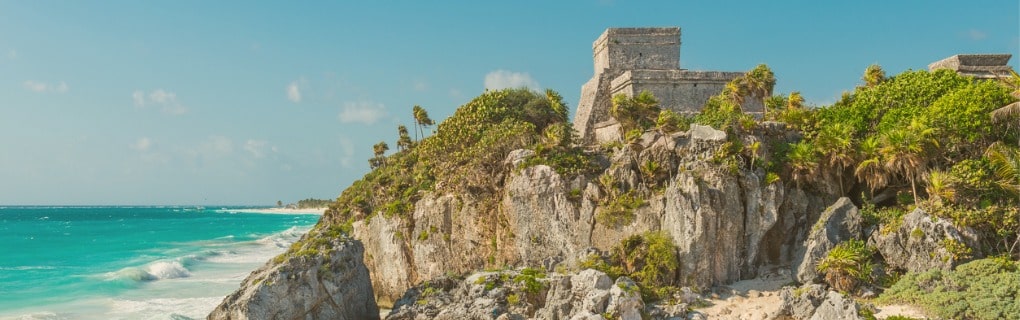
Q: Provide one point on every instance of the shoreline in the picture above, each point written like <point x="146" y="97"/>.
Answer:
<point x="315" y="211"/>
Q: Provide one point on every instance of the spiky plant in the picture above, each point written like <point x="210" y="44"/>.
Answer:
<point x="847" y="265"/>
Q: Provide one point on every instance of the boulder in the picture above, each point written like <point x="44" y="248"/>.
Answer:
<point x="331" y="285"/>
<point x="920" y="243"/>
<point x="706" y="133"/>
<point x="839" y="222"/>
<point x="813" y="302"/>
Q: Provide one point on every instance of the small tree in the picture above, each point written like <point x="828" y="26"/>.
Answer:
<point x="639" y="112"/>
<point x="379" y="158"/>
<point x="873" y="76"/>
<point x="421" y="120"/>
<point x="404" y="140"/>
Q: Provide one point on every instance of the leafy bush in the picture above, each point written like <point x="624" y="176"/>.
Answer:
<point x="980" y="289"/>
<point x="620" y="210"/>
<point x="847" y="265"/>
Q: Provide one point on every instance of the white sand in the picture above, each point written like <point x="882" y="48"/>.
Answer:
<point x="318" y="211"/>
<point x="759" y="298"/>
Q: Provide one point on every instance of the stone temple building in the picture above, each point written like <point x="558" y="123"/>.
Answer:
<point x="979" y="66"/>
<point x="631" y="60"/>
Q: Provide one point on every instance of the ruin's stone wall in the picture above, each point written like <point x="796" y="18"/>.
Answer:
<point x="637" y="48"/>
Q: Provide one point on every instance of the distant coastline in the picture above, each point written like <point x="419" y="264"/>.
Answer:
<point x="317" y="211"/>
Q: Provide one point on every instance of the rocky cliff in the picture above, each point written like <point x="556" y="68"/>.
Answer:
<point x="324" y="279"/>
<point x="724" y="214"/>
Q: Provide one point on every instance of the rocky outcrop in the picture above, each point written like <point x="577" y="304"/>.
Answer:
<point x="924" y="242"/>
<point x="588" y="294"/>
<point x="725" y="219"/>
<point x="813" y="302"/>
<point x="331" y="285"/>
<point x="839" y="222"/>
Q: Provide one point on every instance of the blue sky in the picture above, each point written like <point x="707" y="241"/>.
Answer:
<point x="243" y="102"/>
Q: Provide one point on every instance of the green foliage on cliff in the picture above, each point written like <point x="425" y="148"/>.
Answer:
<point x="981" y="289"/>
<point x="926" y="134"/>
<point x="466" y="153"/>
<point x="649" y="258"/>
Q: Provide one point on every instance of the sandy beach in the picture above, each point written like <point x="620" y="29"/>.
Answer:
<point x="318" y="211"/>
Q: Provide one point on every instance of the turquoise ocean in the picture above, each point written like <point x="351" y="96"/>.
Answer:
<point x="133" y="262"/>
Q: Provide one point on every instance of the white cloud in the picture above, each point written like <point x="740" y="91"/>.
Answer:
<point x="294" y="92"/>
<point x="257" y="148"/>
<point x="12" y="54"/>
<point x="502" y="79"/>
<point x="139" y="97"/>
<point x="159" y="97"/>
<point x="975" y="34"/>
<point x="42" y="87"/>
<point x="217" y="146"/>
<point x="366" y="112"/>
<point x="143" y="144"/>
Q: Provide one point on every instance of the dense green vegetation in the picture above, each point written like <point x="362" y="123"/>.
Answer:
<point x="980" y="289"/>
<point x="466" y="153"/>
<point x="313" y="203"/>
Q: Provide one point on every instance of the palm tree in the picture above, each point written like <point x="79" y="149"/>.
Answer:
<point x="846" y="265"/>
<point x="1012" y="110"/>
<point x="803" y="160"/>
<point x="760" y="81"/>
<point x="1005" y="162"/>
<point x="736" y="90"/>
<point x="421" y="120"/>
<point x="835" y="142"/>
<point x="795" y="101"/>
<point x="870" y="169"/>
<point x="404" y="139"/>
<point x="873" y="76"/>
<point x="903" y="151"/>
<point x="379" y="150"/>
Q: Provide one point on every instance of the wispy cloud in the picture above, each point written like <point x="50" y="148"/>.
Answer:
<point x="366" y="112"/>
<point x="42" y="87"/>
<point x="166" y="100"/>
<point x="142" y="144"/>
<point x="257" y="148"/>
<point x="294" y="92"/>
<point x="975" y="34"/>
<point x="502" y="79"/>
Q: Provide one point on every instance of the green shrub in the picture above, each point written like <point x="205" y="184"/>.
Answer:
<point x="980" y="289"/>
<point x="847" y="265"/>
<point x="620" y="210"/>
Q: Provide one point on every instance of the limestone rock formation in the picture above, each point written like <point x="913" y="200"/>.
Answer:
<point x="333" y="285"/>
<point x="813" y="302"/>
<point x="923" y="242"/>
<point x="840" y="222"/>
<point x="725" y="221"/>
<point x="588" y="294"/>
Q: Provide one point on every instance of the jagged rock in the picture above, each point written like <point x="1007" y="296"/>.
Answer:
<point x="588" y="294"/>
<point x="387" y="256"/>
<point x="839" y="222"/>
<point x="813" y="302"/>
<point x="333" y="285"/>
<point x="726" y="221"/>
<point x="706" y="133"/>
<point x="919" y="244"/>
